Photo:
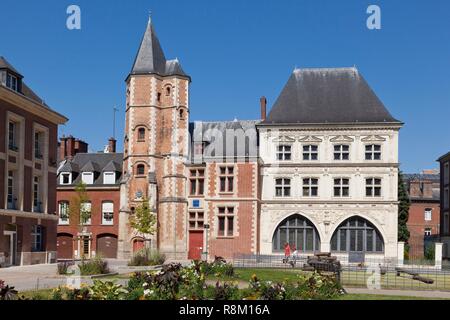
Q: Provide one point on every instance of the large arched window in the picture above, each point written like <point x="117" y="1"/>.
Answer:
<point x="357" y="235"/>
<point x="299" y="232"/>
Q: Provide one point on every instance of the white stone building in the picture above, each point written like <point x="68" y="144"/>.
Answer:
<point x="329" y="153"/>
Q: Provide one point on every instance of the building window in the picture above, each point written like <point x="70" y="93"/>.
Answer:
<point x="159" y="96"/>
<point x="299" y="233"/>
<point x="284" y="153"/>
<point x="38" y="145"/>
<point x="310" y="187"/>
<point x="373" y="152"/>
<point x="428" y="232"/>
<point x="197" y="181"/>
<point x="428" y="214"/>
<point x="87" y="177"/>
<point x="85" y="213"/>
<point x="37" y="204"/>
<point x="141" y="134"/>
<point x="357" y="235"/>
<point x="109" y="178"/>
<point x="108" y="213"/>
<point x="310" y="153"/>
<point x="226" y="179"/>
<point x="446" y="173"/>
<point x="283" y="187"/>
<point x="341" y="187"/>
<point x="182" y="114"/>
<point x="12" y="136"/>
<point x="10" y="195"/>
<point x="225" y="222"/>
<point x="168" y="91"/>
<point x="341" y="152"/>
<point x="66" y="178"/>
<point x="446" y="198"/>
<point x="446" y="224"/>
<point x="373" y="187"/>
<point x="37" y="237"/>
<point x="196" y="220"/>
<point x="12" y="82"/>
<point x="140" y="170"/>
<point x="64" y="213"/>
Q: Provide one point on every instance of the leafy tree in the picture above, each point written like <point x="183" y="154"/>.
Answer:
<point x="403" y="210"/>
<point x="78" y="209"/>
<point x="143" y="220"/>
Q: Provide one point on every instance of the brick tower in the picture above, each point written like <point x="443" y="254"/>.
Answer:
<point x="155" y="149"/>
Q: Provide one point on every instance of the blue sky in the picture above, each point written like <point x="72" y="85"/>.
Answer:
<point x="236" y="51"/>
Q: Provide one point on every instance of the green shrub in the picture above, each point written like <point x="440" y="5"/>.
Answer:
<point x="63" y="267"/>
<point x="147" y="257"/>
<point x="430" y="252"/>
<point x="107" y="290"/>
<point x="93" y="267"/>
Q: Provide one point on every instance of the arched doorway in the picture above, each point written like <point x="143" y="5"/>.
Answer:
<point x="299" y="232"/>
<point x="64" y="246"/>
<point x="107" y="245"/>
<point x="357" y="235"/>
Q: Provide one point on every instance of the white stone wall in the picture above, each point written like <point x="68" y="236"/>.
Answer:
<point x="325" y="211"/>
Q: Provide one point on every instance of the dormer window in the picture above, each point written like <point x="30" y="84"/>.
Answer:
<point x="109" y="178"/>
<point x="12" y="82"/>
<point x="65" y="178"/>
<point x="87" y="177"/>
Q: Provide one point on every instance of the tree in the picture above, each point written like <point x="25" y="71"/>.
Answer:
<point x="403" y="210"/>
<point x="79" y="211"/>
<point x="143" y="220"/>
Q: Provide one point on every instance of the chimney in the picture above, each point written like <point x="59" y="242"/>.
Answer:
<point x="70" y="147"/>
<point x="263" y="102"/>
<point x="112" y="145"/>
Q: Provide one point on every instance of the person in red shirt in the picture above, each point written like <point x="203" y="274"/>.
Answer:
<point x="287" y="252"/>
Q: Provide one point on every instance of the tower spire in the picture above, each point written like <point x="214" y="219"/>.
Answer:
<point x="150" y="17"/>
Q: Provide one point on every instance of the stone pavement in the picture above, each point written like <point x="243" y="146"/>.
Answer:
<point x="401" y="293"/>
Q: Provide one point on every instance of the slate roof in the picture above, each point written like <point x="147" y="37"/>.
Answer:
<point x="334" y="95"/>
<point x="151" y="59"/>
<point x="421" y="176"/>
<point x="26" y="91"/>
<point x="96" y="162"/>
<point x="216" y="139"/>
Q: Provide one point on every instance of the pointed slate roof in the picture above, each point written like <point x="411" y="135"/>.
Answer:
<point x="69" y="167"/>
<point x="335" y="95"/>
<point x="4" y="64"/>
<point x="150" y="58"/>
<point x="90" y="166"/>
<point x="113" y="166"/>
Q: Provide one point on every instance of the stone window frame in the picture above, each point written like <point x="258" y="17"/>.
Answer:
<point x="196" y="219"/>
<point x="341" y="186"/>
<point x="308" y="152"/>
<point x="370" y="155"/>
<point x="281" y="152"/>
<point x="198" y="180"/>
<point x="310" y="187"/>
<point x="61" y="178"/>
<point x="374" y="187"/>
<point x="283" y="187"/>
<point x="104" y="221"/>
<point x="227" y="216"/>
<point x="340" y="153"/>
<point x="37" y="238"/>
<point x="66" y="221"/>
<point x="227" y="176"/>
<point x="428" y="214"/>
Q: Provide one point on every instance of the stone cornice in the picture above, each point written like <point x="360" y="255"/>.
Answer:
<point x="31" y="106"/>
<point x="23" y="214"/>
<point x="330" y="165"/>
<point x="331" y="126"/>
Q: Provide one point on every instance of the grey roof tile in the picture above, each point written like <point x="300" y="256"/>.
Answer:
<point x="336" y="95"/>
<point x="151" y="59"/>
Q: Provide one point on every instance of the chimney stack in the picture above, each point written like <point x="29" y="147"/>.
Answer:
<point x="112" y="145"/>
<point x="263" y="102"/>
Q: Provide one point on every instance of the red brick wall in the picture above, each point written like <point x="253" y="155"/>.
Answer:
<point x="96" y="197"/>
<point x="417" y="225"/>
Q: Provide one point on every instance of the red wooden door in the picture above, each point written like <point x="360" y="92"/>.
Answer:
<point x="195" y="245"/>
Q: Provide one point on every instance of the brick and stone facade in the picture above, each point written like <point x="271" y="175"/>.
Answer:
<point x="28" y="160"/>
<point x="99" y="235"/>
<point x="424" y="211"/>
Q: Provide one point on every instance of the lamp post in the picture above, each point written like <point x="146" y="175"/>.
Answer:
<point x="206" y="227"/>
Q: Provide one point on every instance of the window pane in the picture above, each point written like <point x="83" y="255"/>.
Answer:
<point x="283" y="237"/>
<point x="369" y="241"/>
<point x="230" y="226"/>
<point x="360" y="241"/>
<point x="343" y="239"/>
<point x="309" y="240"/>
<point x="352" y="240"/>
<point x="221" y="226"/>
<point x="334" y="242"/>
